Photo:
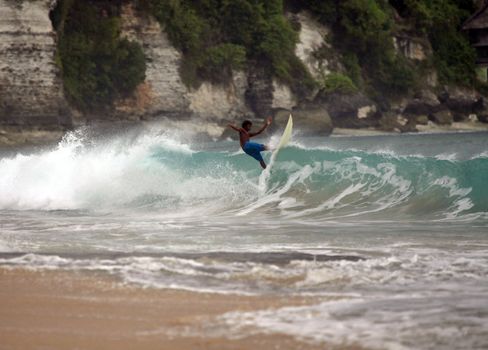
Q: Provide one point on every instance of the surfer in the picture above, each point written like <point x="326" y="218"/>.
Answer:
<point x="252" y="148"/>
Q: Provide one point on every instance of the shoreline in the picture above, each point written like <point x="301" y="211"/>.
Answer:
<point x="456" y="127"/>
<point x="15" y="138"/>
<point x="83" y="310"/>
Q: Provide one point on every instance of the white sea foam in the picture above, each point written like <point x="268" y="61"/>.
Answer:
<point x="110" y="174"/>
<point x="447" y="156"/>
<point x="409" y="268"/>
<point x="377" y="323"/>
<point x="481" y="155"/>
<point x="408" y="301"/>
<point x="5" y="246"/>
<point x="272" y="195"/>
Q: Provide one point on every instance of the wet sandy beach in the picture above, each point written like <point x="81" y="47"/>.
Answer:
<point x="70" y="310"/>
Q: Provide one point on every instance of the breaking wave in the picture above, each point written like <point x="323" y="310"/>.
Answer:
<point x="156" y="171"/>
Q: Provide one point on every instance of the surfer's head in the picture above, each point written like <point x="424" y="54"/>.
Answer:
<point x="246" y="125"/>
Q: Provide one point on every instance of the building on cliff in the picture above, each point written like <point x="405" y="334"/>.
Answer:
<point x="477" y="28"/>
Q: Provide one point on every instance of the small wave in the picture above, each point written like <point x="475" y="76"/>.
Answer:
<point x="222" y="272"/>
<point x="285" y="272"/>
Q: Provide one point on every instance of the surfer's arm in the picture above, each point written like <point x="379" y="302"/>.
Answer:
<point x="268" y="121"/>
<point x="234" y="127"/>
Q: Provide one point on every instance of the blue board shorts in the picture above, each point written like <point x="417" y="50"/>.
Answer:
<point x="254" y="149"/>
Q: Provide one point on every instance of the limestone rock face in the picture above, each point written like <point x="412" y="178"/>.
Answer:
<point x="282" y="96"/>
<point x="483" y="118"/>
<point x="308" y="120"/>
<point x="443" y="117"/>
<point x="164" y="92"/>
<point x="259" y="92"/>
<point x="412" y="48"/>
<point x="312" y="120"/>
<point x="348" y="110"/>
<point x="219" y="102"/>
<point x="460" y="101"/>
<point x="422" y="119"/>
<point x="31" y="91"/>
<point x="310" y="50"/>
<point x="424" y="103"/>
<point x="311" y="38"/>
<point x="416" y="49"/>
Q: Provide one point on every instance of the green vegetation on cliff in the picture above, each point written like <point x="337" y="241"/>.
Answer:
<point x="364" y="30"/>
<point x="98" y="65"/>
<point x="441" y="20"/>
<point x="337" y="82"/>
<point x="250" y="32"/>
<point x="217" y="36"/>
<point x="363" y="33"/>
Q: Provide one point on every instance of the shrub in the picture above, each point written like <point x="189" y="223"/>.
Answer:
<point x="351" y="63"/>
<point x="129" y="66"/>
<point x="241" y="22"/>
<point x="326" y="11"/>
<point x="337" y="82"/>
<point x="182" y="24"/>
<point x="395" y="75"/>
<point x="365" y="25"/>
<point x="98" y="66"/>
<point x="220" y="60"/>
<point x="276" y="45"/>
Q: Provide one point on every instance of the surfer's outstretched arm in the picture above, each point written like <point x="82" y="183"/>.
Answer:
<point x="266" y="124"/>
<point x="234" y="127"/>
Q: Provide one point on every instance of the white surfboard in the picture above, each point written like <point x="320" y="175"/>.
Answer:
<point x="285" y="138"/>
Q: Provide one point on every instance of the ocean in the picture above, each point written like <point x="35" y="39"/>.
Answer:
<point x="388" y="233"/>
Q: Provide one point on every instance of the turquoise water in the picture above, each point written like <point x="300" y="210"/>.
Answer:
<point x="394" y="227"/>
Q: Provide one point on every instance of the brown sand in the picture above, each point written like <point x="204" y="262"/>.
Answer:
<point x="68" y="310"/>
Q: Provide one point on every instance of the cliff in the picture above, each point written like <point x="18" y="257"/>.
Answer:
<point x="32" y="98"/>
<point x="31" y="90"/>
<point x="32" y="104"/>
<point x="163" y="91"/>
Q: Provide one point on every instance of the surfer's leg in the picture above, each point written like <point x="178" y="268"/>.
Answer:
<point x="254" y="150"/>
